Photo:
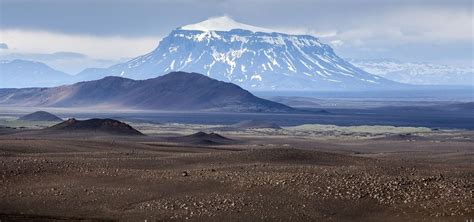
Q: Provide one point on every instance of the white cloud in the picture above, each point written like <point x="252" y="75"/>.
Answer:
<point x="108" y="47"/>
<point x="337" y="43"/>
<point x="306" y="31"/>
<point x="413" y="25"/>
<point x="323" y="34"/>
<point x="400" y="25"/>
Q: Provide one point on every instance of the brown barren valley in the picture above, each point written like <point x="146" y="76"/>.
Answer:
<point x="306" y="173"/>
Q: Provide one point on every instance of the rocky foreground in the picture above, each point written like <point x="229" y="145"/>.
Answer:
<point x="51" y="179"/>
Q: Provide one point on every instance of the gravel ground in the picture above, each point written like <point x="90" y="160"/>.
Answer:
<point x="43" y="179"/>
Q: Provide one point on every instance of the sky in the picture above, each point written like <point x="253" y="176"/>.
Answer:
<point x="71" y="35"/>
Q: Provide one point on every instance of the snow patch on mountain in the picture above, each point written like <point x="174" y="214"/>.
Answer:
<point x="222" y="23"/>
<point x="221" y="49"/>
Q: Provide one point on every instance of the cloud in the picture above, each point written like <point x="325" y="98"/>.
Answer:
<point x="416" y="25"/>
<point x="3" y="46"/>
<point x="337" y="43"/>
<point x="104" y="47"/>
<point x="411" y="24"/>
<point x="323" y="34"/>
<point x="306" y="31"/>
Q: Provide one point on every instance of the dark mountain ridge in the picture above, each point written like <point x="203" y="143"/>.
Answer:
<point x="175" y="91"/>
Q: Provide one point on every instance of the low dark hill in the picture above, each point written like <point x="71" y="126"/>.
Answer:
<point x="106" y="126"/>
<point x="203" y="138"/>
<point x="40" y="116"/>
<point x="175" y="91"/>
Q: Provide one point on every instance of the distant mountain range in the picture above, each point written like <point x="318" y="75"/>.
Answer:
<point x="251" y="57"/>
<point x="23" y="73"/>
<point x="175" y="91"/>
<point x="254" y="58"/>
<point x="417" y="73"/>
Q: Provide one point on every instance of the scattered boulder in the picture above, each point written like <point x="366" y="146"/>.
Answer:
<point x="402" y="137"/>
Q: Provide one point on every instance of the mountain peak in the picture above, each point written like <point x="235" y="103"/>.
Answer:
<point x="222" y="23"/>
<point x="251" y="57"/>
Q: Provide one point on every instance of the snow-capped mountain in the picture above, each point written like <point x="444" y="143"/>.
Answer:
<point x="417" y="73"/>
<point x="23" y="73"/>
<point x="252" y="57"/>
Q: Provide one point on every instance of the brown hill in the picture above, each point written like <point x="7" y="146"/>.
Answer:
<point x="107" y="126"/>
<point x="175" y="91"/>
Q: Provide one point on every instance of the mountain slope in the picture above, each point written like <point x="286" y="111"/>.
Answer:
<point x="417" y="73"/>
<point x="252" y="59"/>
<point x="24" y="73"/>
<point x="174" y="91"/>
